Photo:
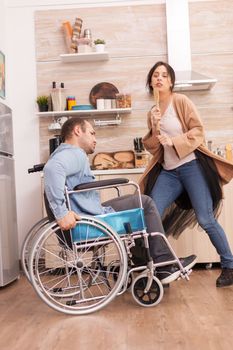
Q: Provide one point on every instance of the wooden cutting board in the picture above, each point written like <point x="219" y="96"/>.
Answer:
<point x="102" y="90"/>
<point x="114" y="160"/>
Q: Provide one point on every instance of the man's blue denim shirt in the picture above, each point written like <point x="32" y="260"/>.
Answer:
<point x="69" y="166"/>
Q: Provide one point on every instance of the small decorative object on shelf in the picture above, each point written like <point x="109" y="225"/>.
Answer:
<point x="42" y="102"/>
<point x="99" y="45"/>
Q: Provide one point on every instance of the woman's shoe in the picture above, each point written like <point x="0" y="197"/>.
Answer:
<point x="225" y="279"/>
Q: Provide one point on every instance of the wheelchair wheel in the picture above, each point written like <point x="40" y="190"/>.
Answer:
<point x="72" y="278"/>
<point x="154" y="294"/>
<point x="27" y="244"/>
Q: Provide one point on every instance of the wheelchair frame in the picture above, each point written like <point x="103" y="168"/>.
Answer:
<point x="80" y="277"/>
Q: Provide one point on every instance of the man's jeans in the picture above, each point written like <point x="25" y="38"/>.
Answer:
<point x="169" y="186"/>
<point x="158" y="248"/>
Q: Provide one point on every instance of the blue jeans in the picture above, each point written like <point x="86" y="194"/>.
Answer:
<point x="171" y="183"/>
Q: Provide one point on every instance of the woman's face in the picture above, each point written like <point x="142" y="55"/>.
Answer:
<point x="161" y="80"/>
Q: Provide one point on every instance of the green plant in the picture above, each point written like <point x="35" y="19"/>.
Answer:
<point x="42" y="100"/>
<point x="99" y="41"/>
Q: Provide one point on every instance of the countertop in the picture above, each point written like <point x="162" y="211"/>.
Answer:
<point x="119" y="171"/>
<point x="114" y="171"/>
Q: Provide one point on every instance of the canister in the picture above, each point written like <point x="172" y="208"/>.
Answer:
<point x="71" y="101"/>
<point x="100" y="103"/>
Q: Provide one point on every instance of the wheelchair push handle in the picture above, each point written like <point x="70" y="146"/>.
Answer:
<point x="36" y="168"/>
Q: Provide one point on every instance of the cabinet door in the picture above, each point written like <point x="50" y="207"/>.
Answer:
<point x="196" y="241"/>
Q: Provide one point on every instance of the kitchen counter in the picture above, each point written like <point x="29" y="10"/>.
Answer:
<point x="119" y="171"/>
<point x="114" y="171"/>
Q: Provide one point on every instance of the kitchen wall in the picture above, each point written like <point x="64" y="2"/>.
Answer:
<point x="17" y="39"/>
<point x="2" y="25"/>
<point x="136" y="39"/>
<point x="211" y="52"/>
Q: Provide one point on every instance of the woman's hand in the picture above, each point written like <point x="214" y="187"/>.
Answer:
<point x="165" y="140"/>
<point x="68" y="221"/>
<point x="155" y="118"/>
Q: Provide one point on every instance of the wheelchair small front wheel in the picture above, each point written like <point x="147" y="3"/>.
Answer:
<point x="150" y="298"/>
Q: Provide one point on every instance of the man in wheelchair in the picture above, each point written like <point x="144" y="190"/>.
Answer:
<point x="68" y="166"/>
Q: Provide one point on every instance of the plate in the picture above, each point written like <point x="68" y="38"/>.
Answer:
<point x="102" y="90"/>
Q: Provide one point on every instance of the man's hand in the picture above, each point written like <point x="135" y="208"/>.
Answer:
<point x="68" y="221"/>
<point x="165" y="140"/>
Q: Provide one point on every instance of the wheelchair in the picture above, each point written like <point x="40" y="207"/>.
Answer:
<point x="80" y="271"/>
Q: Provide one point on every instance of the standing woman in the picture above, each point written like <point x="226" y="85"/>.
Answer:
<point x="184" y="178"/>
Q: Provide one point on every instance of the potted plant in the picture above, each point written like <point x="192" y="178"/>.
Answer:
<point x="99" y="45"/>
<point x="42" y="102"/>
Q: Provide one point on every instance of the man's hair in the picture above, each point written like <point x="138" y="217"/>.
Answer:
<point x="69" y="125"/>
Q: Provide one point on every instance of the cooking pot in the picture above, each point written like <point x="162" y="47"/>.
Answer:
<point x="54" y="143"/>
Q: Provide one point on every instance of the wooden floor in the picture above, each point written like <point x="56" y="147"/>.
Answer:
<point x="192" y="315"/>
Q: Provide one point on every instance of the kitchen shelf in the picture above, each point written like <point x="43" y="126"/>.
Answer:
<point x="86" y="112"/>
<point x="84" y="57"/>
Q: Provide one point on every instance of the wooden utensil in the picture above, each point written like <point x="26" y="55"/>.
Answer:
<point x="156" y="96"/>
<point x="156" y="99"/>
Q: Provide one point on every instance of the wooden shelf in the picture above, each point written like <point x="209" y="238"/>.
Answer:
<point x="84" y="57"/>
<point x="86" y="112"/>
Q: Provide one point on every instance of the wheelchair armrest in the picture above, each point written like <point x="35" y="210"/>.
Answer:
<point x="101" y="183"/>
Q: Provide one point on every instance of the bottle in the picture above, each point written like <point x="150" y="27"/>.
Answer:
<point x="209" y="145"/>
<point x="55" y="97"/>
<point x="87" y="35"/>
<point x="62" y="97"/>
<point x="58" y="97"/>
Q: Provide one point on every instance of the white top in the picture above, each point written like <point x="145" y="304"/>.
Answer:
<point x="171" y="126"/>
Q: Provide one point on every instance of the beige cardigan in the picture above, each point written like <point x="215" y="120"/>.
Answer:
<point x="192" y="138"/>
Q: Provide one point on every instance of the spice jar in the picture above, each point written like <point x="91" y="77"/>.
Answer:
<point x="127" y="101"/>
<point x="71" y="102"/>
<point x="120" y="101"/>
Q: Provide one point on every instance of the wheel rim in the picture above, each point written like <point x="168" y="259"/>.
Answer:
<point x="27" y="245"/>
<point x="154" y="294"/>
<point x="82" y="285"/>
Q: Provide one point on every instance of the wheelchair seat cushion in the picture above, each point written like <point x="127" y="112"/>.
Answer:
<point x="135" y="217"/>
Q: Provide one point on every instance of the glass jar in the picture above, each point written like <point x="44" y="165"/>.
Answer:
<point x="120" y="101"/>
<point x="127" y="101"/>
